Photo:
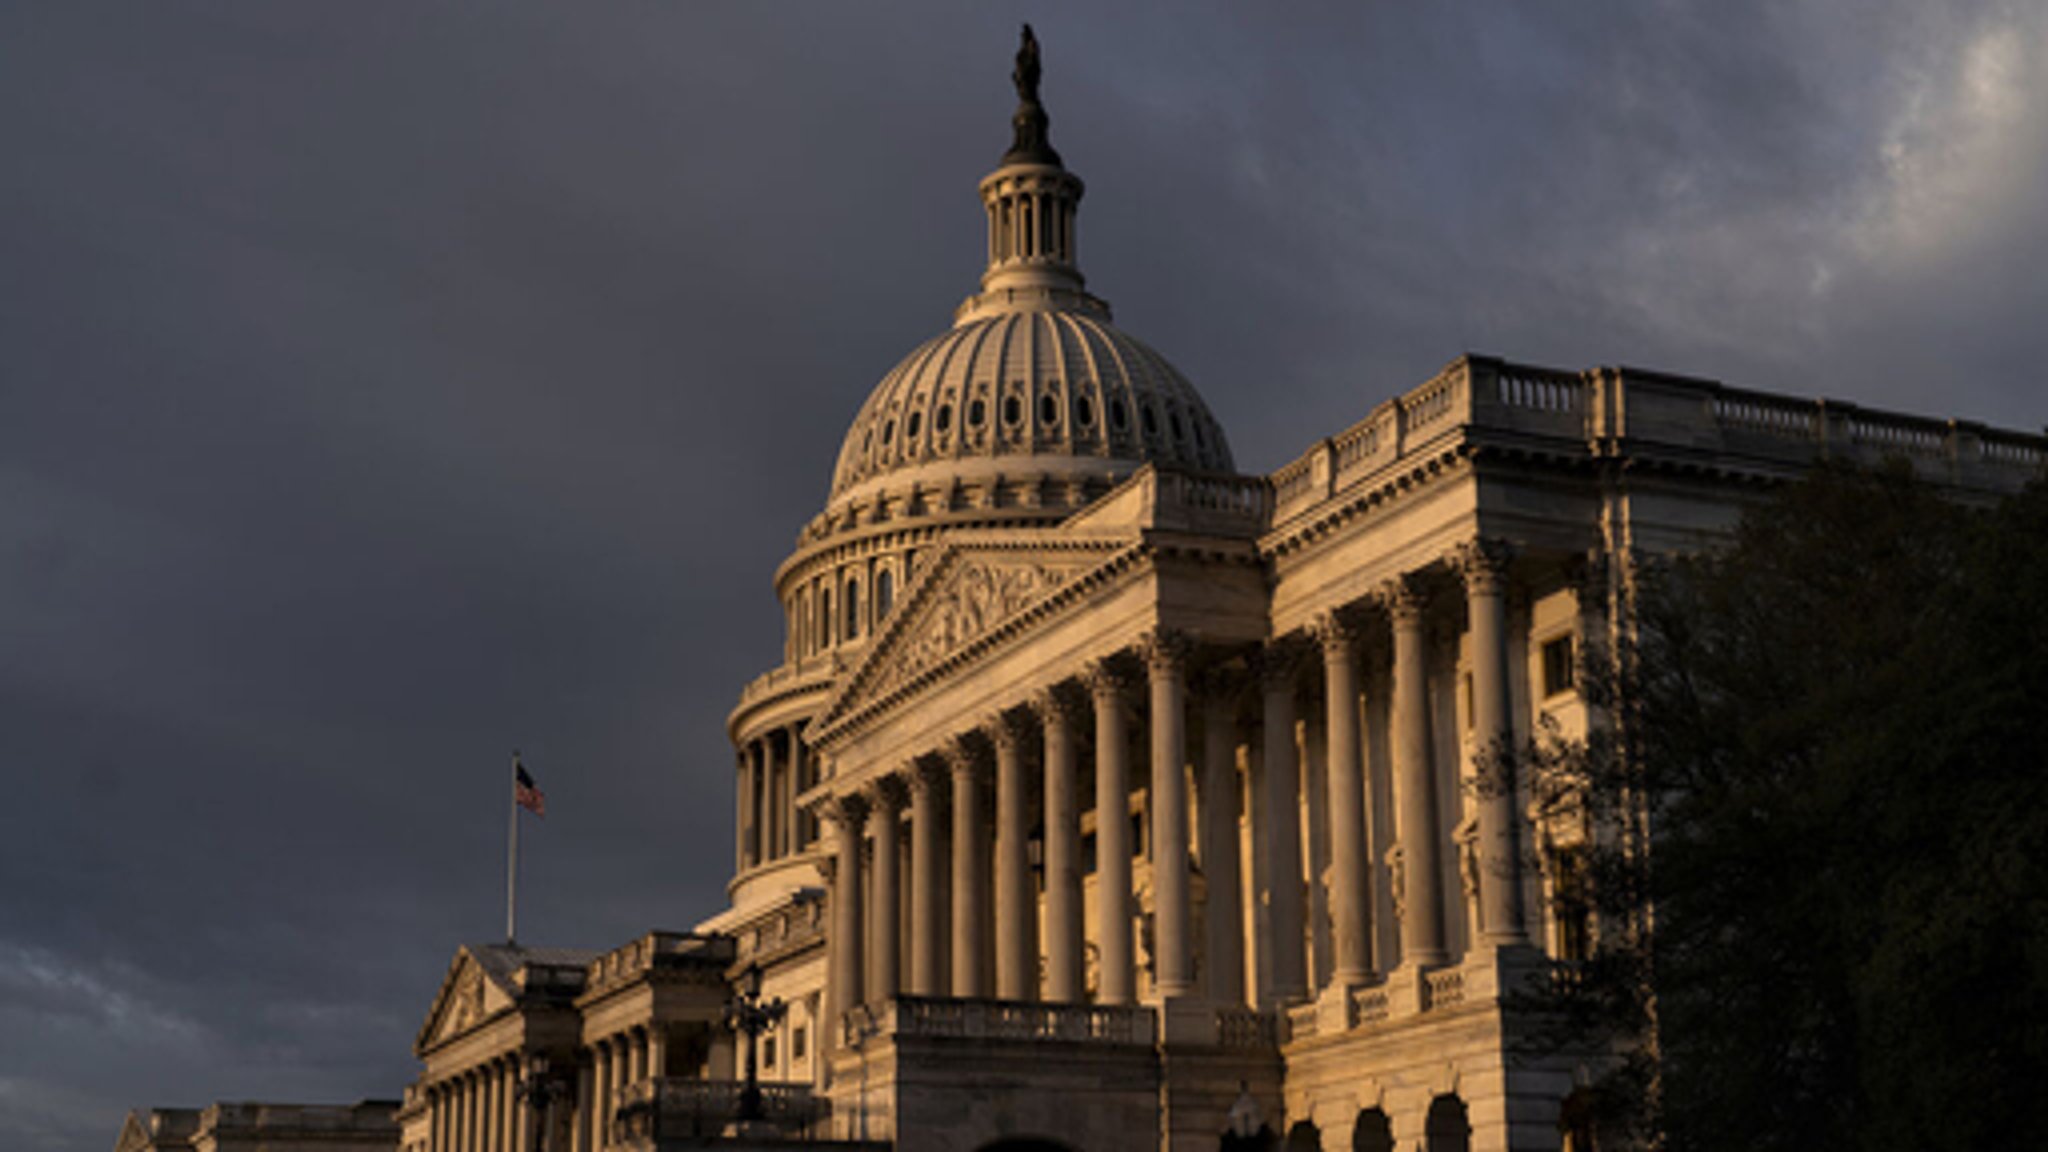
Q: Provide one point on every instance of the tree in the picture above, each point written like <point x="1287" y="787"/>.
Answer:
<point x="1822" y="873"/>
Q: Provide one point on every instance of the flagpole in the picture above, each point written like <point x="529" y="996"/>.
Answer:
<point x="512" y="858"/>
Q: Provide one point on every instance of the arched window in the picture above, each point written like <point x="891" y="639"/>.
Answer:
<point x="851" y="610"/>
<point x="1304" y="1137"/>
<point x="1447" y="1129"/>
<point x="824" y="617"/>
<point x="1374" y="1132"/>
<point x="885" y="593"/>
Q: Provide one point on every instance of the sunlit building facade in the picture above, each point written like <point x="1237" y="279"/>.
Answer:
<point x="1107" y="797"/>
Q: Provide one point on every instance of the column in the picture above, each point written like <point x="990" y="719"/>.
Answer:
<point x="636" y="1056"/>
<point x="487" y="1104"/>
<point x="970" y="917"/>
<point x="756" y="844"/>
<point x="885" y="799"/>
<point x="1420" y="867"/>
<point x="469" y="1112"/>
<point x="1064" y="978"/>
<point x="800" y="820"/>
<point x="764" y="803"/>
<point x="515" y="1132"/>
<point x="586" y="1088"/>
<point x="925" y="782"/>
<point x="601" y="1096"/>
<point x="850" y="814"/>
<point x="1218" y="806"/>
<point x="657" y="1052"/>
<point x="437" y="1120"/>
<point x="1166" y="657"/>
<point x="1484" y="566"/>
<point x="740" y="810"/>
<point x="1277" y="670"/>
<point x="1346" y="790"/>
<point x="1016" y="942"/>
<point x="1117" y="981"/>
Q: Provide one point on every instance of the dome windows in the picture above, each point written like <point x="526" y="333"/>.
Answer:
<point x="1180" y="431"/>
<point x="1119" y="416"/>
<point x="1084" y="412"/>
<point x="942" y="420"/>
<point x="977" y="413"/>
<point x="851" y="612"/>
<point x="913" y="424"/>
<point x="888" y="432"/>
<point x="1145" y="414"/>
<point x="1013" y="411"/>
<point x="885" y="594"/>
<point x="1049" y="410"/>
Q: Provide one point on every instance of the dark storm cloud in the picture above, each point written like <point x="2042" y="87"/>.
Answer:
<point x="385" y="388"/>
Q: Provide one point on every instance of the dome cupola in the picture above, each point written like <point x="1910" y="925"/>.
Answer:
<point x="1033" y="402"/>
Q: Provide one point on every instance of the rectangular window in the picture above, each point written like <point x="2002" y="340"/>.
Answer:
<point x="1559" y="666"/>
<point x="1465" y="691"/>
<point x="1572" y="906"/>
<point x="796" y="1044"/>
<point x="767" y="1053"/>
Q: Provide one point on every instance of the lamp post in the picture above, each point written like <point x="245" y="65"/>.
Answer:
<point x="749" y="1015"/>
<point x="539" y="1089"/>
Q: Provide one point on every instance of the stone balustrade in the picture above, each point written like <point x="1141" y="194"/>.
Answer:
<point x="629" y="960"/>
<point x="946" y="1018"/>
<point x="1652" y="411"/>
<point x="672" y="1108"/>
<point x="1240" y="1027"/>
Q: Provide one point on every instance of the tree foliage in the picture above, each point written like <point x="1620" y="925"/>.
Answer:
<point x="1828" y="736"/>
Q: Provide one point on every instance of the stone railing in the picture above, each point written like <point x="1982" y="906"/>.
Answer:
<point x="373" y="1121"/>
<point x="1649" y="411"/>
<point x="1301" y="1021"/>
<point x="1368" y="1005"/>
<point x="672" y="1108"/>
<point x="629" y="960"/>
<point x="1443" y="988"/>
<point x="792" y="925"/>
<point x="810" y="672"/>
<point x="932" y="1016"/>
<point x="1241" y="1027"/>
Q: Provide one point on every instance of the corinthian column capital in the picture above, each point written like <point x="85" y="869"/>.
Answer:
<point x="1483" y="563"/>
<point x="1006" y="729"/>
<point x="1166" y="650"/>
<point x="887" y="793"/>
<point x="1059" y="701"/>
<point x="1335" y="631"/>
<point x="848" y="810"/>
<point x="1106" y="679"/>
<point x="1404" y="598"/>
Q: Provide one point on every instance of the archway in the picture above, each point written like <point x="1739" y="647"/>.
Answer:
<point x="1374" y="1132"/>
<point x="1304" y="1137"/>
<point x="1447" y="1128"/>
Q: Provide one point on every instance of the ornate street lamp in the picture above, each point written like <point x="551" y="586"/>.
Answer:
<point x="539" y="1089"/>
<point x="749" y="1015"/>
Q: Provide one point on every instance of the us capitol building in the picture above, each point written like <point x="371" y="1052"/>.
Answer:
<point x="1108" y="798"/>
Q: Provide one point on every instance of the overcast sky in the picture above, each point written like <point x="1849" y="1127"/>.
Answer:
<point x="384" y="387"/>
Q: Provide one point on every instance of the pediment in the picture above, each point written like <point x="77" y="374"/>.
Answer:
<point x="971" y="593"/>
<point x="469" y="995"/>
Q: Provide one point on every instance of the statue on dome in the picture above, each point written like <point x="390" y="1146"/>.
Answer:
<point x="1027" y="71"/>
<point x="1031" y="144"/>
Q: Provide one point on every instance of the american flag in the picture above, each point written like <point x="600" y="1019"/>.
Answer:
<point x="526" y="793"/>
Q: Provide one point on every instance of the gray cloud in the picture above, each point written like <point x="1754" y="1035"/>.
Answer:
<point x="386" y="388"/>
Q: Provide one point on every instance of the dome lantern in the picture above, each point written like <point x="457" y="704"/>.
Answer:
<point x="1031" y="202"/>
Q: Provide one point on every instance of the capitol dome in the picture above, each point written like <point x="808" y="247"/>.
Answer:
<point x="1033" y="386"/>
